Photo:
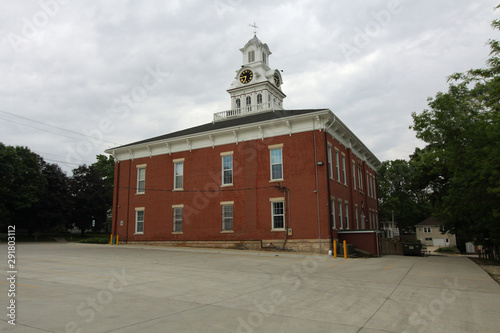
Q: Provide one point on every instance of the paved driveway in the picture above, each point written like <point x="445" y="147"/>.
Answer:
<point x="65" y="287"/>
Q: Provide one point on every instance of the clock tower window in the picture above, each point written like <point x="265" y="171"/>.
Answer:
<point x="249" y="103"/>
<point x="251" y="56"/>
<point x="259" y="101"/>
<point x="238" y="104"/>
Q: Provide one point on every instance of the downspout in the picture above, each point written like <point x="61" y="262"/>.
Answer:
<point x="117" y="189"/>
<point x="329" y="203"/>
<point x="128" y="199"/>
<point x="317" y="192"/>
<point x="289" y="217"/>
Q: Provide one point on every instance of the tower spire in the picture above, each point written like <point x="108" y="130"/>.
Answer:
<point x="254" y="26"/>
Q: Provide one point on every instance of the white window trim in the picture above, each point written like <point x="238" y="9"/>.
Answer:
<point x="354" y="175"/>
<point x="137" y="209"/>
<point x="344" y="173"/>
<point x="173" y="219"/>
<point x="138" y="167"/>
<point x="337" y="164"/>
<point x="224" y="154"/>
<point x="176" y="161"/>
<point x="330" y="162"/>
<point x="272" y="201"/>
<point x="222" y="204"/>
<point x="346" y="214"/>
<point x="333" y="202"/>
<point x="341" y="216"/>
<point x="271" y="148"/>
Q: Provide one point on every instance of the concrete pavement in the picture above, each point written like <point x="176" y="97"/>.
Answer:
<point x="67" y="287"/>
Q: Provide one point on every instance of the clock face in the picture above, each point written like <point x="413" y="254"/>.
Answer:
<point x="276" y="79"/>
<point x="246" y="76"/>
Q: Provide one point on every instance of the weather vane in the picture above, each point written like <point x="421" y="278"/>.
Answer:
<point x="254" y="28"/>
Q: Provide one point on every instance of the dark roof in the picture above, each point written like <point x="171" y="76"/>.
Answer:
<point x="430" y="221"/>
<point x="230" y="122"/>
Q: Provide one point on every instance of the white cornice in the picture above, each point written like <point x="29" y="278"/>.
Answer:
<point x="319" y="120"/>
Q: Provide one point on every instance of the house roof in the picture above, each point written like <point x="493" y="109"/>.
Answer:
<point x="230" y="122"/>
<point x="429" y="221"/>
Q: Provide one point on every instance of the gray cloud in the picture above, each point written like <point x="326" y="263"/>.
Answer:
<point x="73" y="65"/>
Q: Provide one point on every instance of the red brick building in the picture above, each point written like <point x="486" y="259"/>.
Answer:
<point x="257" y="176"/>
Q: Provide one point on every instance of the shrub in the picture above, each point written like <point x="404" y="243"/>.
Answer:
<point x="449" y="249"/>
<point x="95" y="240"/>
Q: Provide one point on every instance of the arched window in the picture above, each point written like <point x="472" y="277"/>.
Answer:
<point x="249" y="103"/>
<point x="259" y="101"/>
<point x="238" y="104"/>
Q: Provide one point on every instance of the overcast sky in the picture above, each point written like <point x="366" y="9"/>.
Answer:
<point x="114" y="72"/>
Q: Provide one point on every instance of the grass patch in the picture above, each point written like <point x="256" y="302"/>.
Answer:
<point x="486" y="262"/>
<point x="449" y="249"/>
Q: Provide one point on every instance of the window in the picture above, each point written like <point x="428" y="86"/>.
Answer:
<point x="238" y="104"/>
<point x="370" y="219"/>
<point x="428" y="238"/>
<point x="227" y="168"/>
<point x="259" y="99"/>
<point x="177" y="218"/>
<point x="340" y="215"/>
<point x="249" y="103"/>
<point x="363" y="219"/>
<point x="178" y="174"/>
<point x="427" y="229"/>
<point x="330" y="162"/>
<point x="368" y="183"/>
<point x="356" y="216"/>
<point x="227" y="217"/>
<point x="251" y="56"/>
<point x="276" y="163"/>
<point x="139" y="220"/>
<point x="347" y="215"/>
<point x="269" y="101"/>
<point x="354" y="174"/>
<point x="344" y="178"/>
<point x="264" y="58"/>
<point x="337" y="164"/>
<point x="332" y="204"/>
<point x="278" y="214"/>
<point x="360" y="176"/>
<point x="141" y="179"/>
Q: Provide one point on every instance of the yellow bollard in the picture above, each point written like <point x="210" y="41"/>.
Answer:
<point x="345" y="250"/>
<point x="335" y="249"/>
<point x="111" y="240"/>
<point x="116" y="239"/>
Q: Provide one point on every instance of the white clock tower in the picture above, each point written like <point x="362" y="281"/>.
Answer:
<point x="256" y="87"/>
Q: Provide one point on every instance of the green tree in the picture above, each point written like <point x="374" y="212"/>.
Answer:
<point x="21" y="184"/>
<point x="400" y="193"/>
<point x="462" y="132"/>
<point x="52" y="210"/>
<point x="92" y="194"/>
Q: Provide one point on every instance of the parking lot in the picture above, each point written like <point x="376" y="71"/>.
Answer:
<point x="68" y="287"/>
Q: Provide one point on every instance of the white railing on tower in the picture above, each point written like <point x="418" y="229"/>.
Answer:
<point x="246" y="110"/>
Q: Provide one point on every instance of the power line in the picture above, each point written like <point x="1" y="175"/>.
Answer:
<point x="52" y="126"/>
<point x="43" y="130"/>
